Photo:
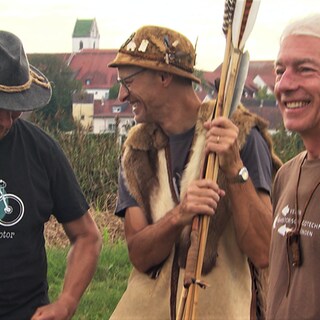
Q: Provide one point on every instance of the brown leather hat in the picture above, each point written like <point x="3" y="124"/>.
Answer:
<point x="158" y="48"/>
<point x="22" y="86"/>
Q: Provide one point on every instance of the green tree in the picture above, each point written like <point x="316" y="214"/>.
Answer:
<point x="287" y="144"/>
<point x="58" y="113"/>
<point x="262" y="94"/>
<point x="114" y="91"/>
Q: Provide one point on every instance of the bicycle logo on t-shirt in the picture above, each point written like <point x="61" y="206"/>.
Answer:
<point x="11" y="207"/>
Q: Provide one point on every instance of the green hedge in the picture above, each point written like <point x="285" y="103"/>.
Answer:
<point x="95" y="160"/>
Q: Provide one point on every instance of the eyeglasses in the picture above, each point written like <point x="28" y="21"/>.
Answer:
<point x="123" y="81"/>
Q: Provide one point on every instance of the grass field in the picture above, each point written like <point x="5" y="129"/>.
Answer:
<point x="107" y="286"/>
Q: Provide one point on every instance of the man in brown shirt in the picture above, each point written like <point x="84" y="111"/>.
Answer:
<point x="294" y="290"/>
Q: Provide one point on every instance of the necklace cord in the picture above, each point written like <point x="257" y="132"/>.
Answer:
<point x="293" y="237"/>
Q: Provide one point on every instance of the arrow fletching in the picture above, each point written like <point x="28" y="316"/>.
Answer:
<point x="244" y="17"/>
<point x="229" y="7"/>
<point x="240" y="82"/>
<point x="251" y="19"/>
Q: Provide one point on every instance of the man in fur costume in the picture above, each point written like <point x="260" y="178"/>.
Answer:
<point x="160" y="191"/>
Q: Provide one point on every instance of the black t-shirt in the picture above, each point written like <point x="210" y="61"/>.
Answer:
<point x="36" y="180"/>
<point x="255" y="155"/>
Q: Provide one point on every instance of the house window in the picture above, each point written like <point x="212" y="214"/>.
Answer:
<point x="80" y="45"/>
<point x="112" y="127"/>
<point x="116" y="109"/>
<point x="88" y="81"/>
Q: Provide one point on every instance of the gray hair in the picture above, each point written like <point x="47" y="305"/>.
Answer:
<point x="305" y="26"/>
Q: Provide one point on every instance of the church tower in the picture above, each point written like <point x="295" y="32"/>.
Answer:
<point x="85" y="35"/>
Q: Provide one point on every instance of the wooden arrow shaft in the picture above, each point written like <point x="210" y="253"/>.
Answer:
<point x="230" y="69"/>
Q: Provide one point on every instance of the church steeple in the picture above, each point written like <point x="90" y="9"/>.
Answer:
<point x="85" y="35"/>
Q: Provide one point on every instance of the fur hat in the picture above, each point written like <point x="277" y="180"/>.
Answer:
<point x="158" y="48"/>
<point x="22" y="86"/>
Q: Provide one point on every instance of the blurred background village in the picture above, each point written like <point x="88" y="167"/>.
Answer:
<point x="85" y="89"/>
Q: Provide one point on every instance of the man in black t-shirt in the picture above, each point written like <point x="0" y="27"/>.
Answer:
<point x="36" y="180"/>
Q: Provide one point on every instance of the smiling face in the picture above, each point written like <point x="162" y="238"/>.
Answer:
<point x="297" y="85"/>
<point x="141" y="90"/>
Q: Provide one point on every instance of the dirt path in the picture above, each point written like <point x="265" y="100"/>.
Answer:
<point x="108" y="224"/>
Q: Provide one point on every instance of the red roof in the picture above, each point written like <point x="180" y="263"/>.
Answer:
<point x="91" y="68"/>
<point x="263" y="68"/>
<point x="271" y="114"/>
<point x="104" y="109"/>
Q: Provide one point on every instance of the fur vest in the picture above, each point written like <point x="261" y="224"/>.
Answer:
<point x="149" y="180"/>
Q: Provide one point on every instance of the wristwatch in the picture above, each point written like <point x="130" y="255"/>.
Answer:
<point x="242" y="176"/>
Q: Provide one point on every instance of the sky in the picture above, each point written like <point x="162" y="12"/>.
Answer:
<point x="46" y="26"/>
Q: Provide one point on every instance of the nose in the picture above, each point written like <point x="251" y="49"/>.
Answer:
<point x="123" y="93"/>
<point x="288" y="81"/>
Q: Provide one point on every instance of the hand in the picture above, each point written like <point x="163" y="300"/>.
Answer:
<point x="202" y="197"/>
<point x="57" y="310"/>
<point x="221" y="139"/>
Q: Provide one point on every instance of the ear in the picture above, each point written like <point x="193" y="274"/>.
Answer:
<point x="166" y="78"/>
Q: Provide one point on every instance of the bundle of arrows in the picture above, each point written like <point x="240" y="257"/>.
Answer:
<point x="239" y="18"/>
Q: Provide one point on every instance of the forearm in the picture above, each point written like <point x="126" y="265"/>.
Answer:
<point x="81" y="265"/>
<point x="150" y="244"/>
<point x="251" y="210"/>
<point x="252" y="214"/>
<point x="153" y="243"/>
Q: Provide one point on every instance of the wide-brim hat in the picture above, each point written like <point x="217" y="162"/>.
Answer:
<point x="160" y="49"/>
<point x="22" y="86"/>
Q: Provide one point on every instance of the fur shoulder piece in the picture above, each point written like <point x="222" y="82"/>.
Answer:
<point x="206" y="111"/>
<point x="245" y="121"/>
<point x="146" y="136"/>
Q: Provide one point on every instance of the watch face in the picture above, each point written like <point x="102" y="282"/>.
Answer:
<point x="244" y="174"/>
